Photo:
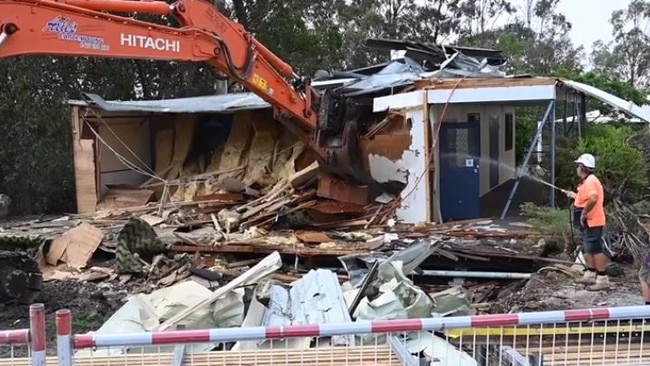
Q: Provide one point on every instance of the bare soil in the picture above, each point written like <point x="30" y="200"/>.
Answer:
<point x="91" y="305"/>
<point x="558" y="291"/>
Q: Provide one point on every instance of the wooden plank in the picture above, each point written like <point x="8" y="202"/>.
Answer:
<point x="483" y="83"/>
<point x="263" y="248"/>
<point x="84" y="174"/>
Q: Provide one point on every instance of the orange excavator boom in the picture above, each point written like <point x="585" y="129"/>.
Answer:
<point x="87" y="28"/>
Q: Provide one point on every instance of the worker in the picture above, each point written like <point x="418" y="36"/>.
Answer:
<point x="589" y="214"/>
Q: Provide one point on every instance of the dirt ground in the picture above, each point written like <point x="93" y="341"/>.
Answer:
<point x="551" y="290"/>
<point x="91" y="305"/>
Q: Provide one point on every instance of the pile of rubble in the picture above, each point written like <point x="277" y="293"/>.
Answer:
<point x="199" y="275"/>
<point x="163" y="251"/>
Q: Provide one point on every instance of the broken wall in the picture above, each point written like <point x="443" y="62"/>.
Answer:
<point x="193" y="154"/>
<point x="386" y="147"/>
<point x="126" y="137"/>
<point x="248" y="147"/>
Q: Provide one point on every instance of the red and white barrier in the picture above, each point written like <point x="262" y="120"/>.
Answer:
<point x="358" y="327"/>
<point x="64" y="349"/>
<point x="67" y="342"/>
<point x="34" y="336"/>
<point x="14" y="337"/>
<point x="37" y="334"/>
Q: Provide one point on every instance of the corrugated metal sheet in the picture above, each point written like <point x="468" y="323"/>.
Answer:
<point x="316" y="298"/>
<point x="609" y="99"/>
<point x="225" y="103"/>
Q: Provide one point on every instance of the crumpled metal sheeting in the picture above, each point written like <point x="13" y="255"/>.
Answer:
<point x="399" y="73"/>
<point x="437" y="54"/>
<point x="143" y="313"/>
<point x="358" y="266"/>
<point x="398" y="298"/>
<point x="316" y="298"/>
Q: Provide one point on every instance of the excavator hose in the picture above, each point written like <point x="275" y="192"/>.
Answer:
<point x="250" y="59"/>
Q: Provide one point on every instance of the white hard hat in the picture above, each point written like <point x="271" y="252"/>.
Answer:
<point x="587" y="160"/>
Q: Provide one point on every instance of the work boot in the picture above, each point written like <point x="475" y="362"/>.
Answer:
<point x="588" y="278"/>
<point x="602" y="283"/>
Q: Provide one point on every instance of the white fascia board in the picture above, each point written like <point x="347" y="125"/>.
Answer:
<point x="399" y="101"/>
<point x="492" y="95"/>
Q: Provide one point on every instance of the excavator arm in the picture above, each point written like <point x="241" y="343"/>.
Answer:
<point x="328" y="125"/>
<point x="85" y="28"/>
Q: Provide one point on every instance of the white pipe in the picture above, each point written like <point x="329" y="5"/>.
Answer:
<point x="476" y="274"/>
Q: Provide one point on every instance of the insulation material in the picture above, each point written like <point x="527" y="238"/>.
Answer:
<point x="258" y="151"/>
<point x="285" y="169"/>
<point x="238" y="142"/>
<point x="185" y="127"/>
<point x="285" y="148"/>
<point x="261" y="151"/>
<point x="215" y="159"/>
<point x="188" y="191"/>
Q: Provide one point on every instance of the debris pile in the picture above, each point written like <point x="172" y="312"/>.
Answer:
<point x="147" y="246"/>
<point x="199" y="275"/>
<point x="627" y="231"/>
<point x="260" y="176"/>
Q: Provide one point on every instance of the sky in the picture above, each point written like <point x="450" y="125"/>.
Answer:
<point x="590" y="19"/>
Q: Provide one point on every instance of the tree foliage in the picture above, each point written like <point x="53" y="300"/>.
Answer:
<point x="620" y="165"/>
<point x="627" y="57"/>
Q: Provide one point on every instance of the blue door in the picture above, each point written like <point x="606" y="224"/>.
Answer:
<point x="460" y="149"/>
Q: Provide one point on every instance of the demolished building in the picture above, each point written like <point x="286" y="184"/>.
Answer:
<point x="217" y="185"/>
<point x="445" y="138"/>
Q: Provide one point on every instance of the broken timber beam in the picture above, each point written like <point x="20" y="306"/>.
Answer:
<point x="265" y="249"/>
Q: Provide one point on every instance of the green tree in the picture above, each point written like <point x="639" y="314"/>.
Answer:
<point x="627" y="57"/>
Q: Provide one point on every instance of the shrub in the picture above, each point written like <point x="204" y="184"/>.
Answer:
<point x="620" y="165"/>
<point x="554" y="224"/>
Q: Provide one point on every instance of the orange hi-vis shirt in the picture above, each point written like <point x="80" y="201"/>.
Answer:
<point x="591" y="185"/>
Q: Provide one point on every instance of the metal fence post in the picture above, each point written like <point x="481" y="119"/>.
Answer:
<point x="37" y="334"/>
<point x="64" y="337"/>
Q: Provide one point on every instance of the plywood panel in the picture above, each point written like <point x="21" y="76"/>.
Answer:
<point x="84" y="171"/>
<point x="164" y="148"/>
<point x="135" y="135"/>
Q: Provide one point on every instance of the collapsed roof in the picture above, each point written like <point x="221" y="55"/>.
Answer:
<point x="420" y="60"/>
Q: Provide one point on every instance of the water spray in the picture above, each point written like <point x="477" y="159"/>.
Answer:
<point x="522" y="173"/>
<point x="552" y="186"/>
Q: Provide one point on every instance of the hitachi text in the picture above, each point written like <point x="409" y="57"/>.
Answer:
<point x="160" y="44"/>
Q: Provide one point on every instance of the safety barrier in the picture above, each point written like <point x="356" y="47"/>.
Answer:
<point x="604" y="336"/>
<point x="29" y="341"/>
